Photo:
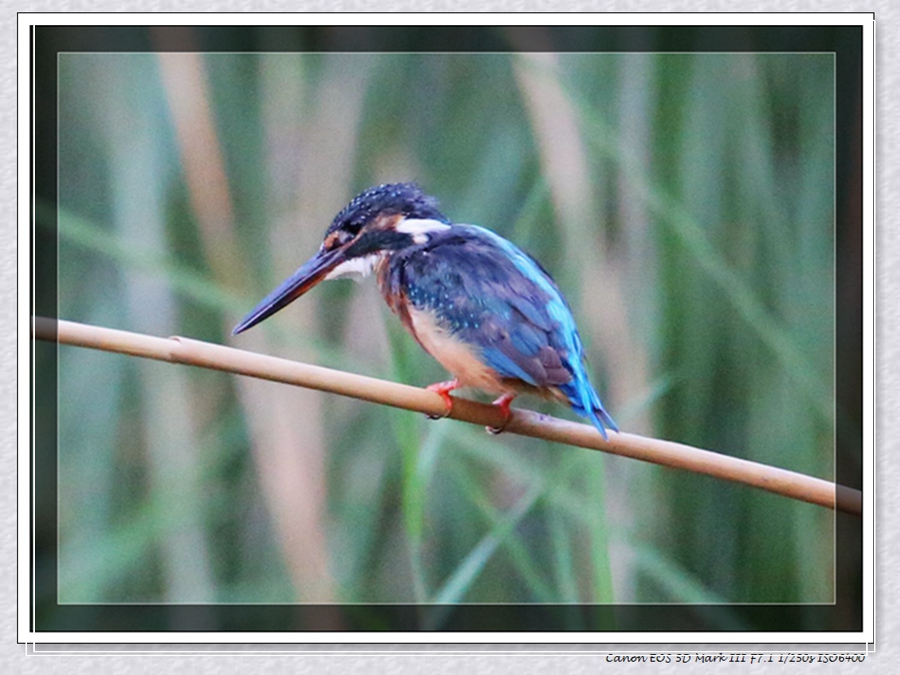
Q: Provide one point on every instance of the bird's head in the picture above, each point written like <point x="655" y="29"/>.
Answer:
<point x="377" y="223"/>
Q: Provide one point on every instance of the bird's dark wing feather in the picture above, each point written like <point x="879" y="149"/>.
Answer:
<point x="492" y="295"/>
<point x="480" y="295"/>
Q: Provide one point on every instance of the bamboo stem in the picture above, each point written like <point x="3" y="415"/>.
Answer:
<point x="523" y="422"/>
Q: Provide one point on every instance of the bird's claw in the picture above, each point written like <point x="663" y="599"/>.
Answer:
<point x="443" y="390"/>
<point x="502" y="403"/>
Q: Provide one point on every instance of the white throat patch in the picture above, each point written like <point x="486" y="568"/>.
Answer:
<point x="357" y="267"/>
<point x="420" y="228"/>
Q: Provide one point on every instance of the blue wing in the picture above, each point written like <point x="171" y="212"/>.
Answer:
<point x="491" y="294"/>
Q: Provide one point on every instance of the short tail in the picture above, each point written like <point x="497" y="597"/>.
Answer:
<point x="585" y="402"/>
<point x="602" y="420"/>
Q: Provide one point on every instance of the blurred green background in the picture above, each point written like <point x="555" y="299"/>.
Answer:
<point x="685" y="204"/>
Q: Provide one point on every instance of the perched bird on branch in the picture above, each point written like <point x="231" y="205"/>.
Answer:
<point x="486" y="310"/>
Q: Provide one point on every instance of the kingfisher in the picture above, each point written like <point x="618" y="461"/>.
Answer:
<point x="483" y="308"/>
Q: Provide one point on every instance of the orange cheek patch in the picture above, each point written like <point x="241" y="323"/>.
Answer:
<point x="332" y="240"/>
<point x="387" y="221"/>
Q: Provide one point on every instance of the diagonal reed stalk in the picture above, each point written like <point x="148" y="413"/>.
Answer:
<point x="527" y="423"/>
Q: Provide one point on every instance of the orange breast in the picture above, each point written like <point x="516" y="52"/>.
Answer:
<point x="459" y="358"/>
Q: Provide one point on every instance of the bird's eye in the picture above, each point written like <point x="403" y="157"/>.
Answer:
<point x="352" y="228"/>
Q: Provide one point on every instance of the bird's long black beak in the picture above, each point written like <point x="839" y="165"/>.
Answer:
<point x="310" y="273"/>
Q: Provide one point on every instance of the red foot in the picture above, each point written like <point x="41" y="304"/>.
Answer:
<point x="443" y="389"/>
<point x="502" y="403"/>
